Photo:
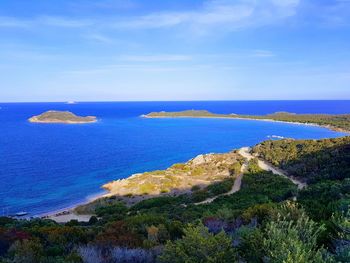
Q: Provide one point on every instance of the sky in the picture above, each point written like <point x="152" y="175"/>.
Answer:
<point x="148" y="50"/>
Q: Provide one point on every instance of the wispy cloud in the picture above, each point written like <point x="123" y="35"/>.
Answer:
<point x="104" y="4"/>
<point x="156" y="58"/>
<point x="99" y="38"/>
<point x="213" y="14"/>
<point x="51" y="21"/>
<point x="56" y="21"/>
<point x="228" y="14"/>
<point x="14" y="22"/>
<point x="262" y="53"/>
<point x="114" y="68"/>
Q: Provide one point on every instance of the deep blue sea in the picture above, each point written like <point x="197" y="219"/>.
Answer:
<point x="47" y="167"/>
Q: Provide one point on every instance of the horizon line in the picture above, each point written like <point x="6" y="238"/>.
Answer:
<point x="126" y="101"/>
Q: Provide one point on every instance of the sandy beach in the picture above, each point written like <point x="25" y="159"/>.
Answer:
<point x="67" y="214"/>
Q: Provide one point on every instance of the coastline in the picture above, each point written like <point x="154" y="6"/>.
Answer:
<point x="66" y="214"/>
<point x="329" y="127"/>
<point x="193" y="167"/>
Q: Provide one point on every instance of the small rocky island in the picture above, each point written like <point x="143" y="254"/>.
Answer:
<point x="61" y="117"/>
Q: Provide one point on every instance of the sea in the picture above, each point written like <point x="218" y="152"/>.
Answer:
<point x="49" y="167"/>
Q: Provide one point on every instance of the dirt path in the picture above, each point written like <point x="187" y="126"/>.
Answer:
<point x="245" y="152"/>
<point x="235" y="188"/>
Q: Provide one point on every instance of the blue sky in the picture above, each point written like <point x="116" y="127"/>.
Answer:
<point x="119" y="50"/>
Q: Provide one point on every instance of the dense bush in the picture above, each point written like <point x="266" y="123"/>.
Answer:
<point x="93" y="254"/>
<point x="313" y="160"/>
<point x="292" y="241"/>
<point x="221" y="187"/>
<point x="323" y="199"/>
<point x="198" y="245"/>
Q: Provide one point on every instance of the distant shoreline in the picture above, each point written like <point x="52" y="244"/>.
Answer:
<point x="329" y="127"/>
<point x="250" y="119"/>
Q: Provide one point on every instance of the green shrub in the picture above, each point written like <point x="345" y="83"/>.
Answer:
<point x="198" y="245"/>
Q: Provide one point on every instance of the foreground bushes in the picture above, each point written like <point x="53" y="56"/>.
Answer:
<point x="93" y="254"/>
<point x="198" y="245"/>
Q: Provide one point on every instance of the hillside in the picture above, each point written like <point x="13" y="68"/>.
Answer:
<point x="323" y="164"/>
<point x="178" y="179"/>
<point x="312" y="160"/>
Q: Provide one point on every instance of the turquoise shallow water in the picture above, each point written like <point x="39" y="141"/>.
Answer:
<point x="49" y="167"/>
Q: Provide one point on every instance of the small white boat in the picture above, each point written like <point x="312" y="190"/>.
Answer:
<point x="21" y="214"/>
<point x="71" y="102"/>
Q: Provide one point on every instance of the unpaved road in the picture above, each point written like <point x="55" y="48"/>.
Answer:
<point x="235" y="188"/>
<point x="245" y="153"/>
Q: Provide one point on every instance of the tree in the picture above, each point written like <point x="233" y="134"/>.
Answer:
<point x="198" y="245"/>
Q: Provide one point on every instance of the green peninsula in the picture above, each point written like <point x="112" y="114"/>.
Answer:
<point x="61" y="117"/>
<point x="338" y="122"/>
<point x="181" y="178"/>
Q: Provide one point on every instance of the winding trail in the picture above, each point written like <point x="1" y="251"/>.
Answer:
<point x="235" y="188"/>
<point x="245" y="153"/>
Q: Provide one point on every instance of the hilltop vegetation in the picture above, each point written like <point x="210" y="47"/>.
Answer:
<point x="339" y="122"/>
<point x="312" y="160"/>
<point x="260" y="223"/>
<point x="324" y="164"/>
